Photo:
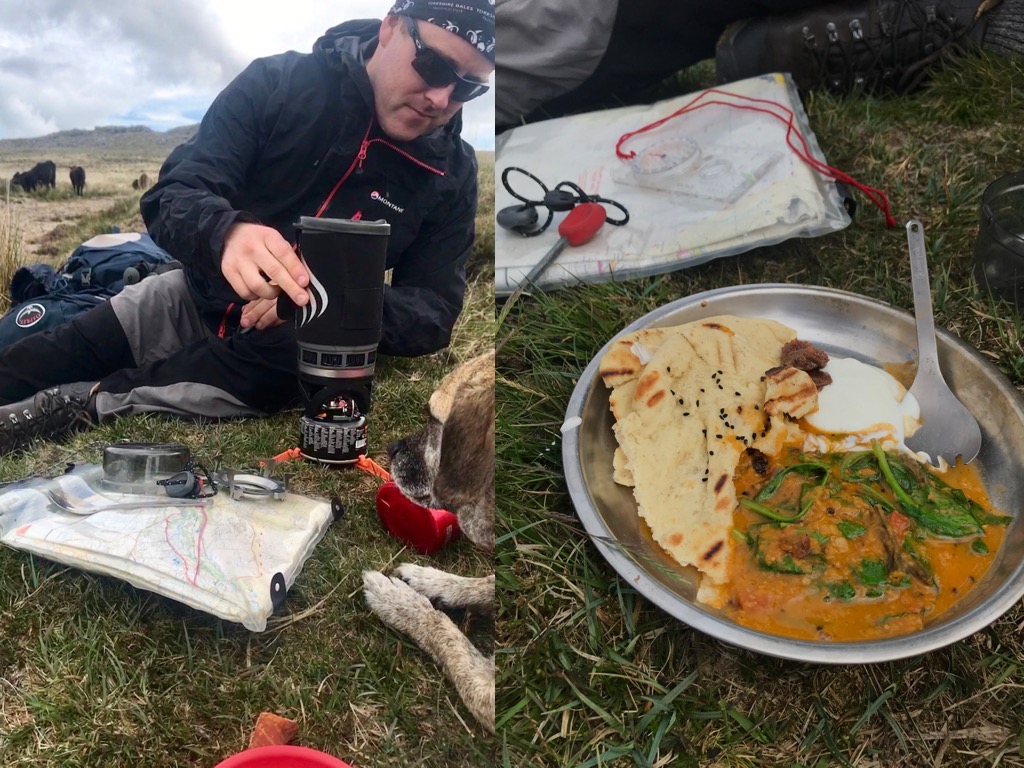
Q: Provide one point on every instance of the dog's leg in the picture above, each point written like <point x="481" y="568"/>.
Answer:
<point x="448" y="590"/>
<point x="405" y="609"/>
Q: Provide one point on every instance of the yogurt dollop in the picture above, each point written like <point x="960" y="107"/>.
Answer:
<point x="862" y="403"/>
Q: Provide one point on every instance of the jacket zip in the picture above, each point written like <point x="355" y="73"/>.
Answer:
<point x="360" y="158"/>
<point x="402" y="152"/>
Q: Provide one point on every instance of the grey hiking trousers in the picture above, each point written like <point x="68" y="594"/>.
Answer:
<point x="152" y="351"/>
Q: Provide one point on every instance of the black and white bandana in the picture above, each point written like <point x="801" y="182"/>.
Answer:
<point x="472" y="20"/>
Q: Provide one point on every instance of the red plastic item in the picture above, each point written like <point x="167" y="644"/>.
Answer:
<point x="282" y="756"/>
<point x="425" y="530"/>
<point x="582" y="223"/>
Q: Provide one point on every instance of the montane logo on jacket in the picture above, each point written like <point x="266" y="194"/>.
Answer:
<point x="375" y="195"/>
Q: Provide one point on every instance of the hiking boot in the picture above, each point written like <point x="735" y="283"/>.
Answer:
<point x="883" y="46"/>
<point x="47" y="414"/>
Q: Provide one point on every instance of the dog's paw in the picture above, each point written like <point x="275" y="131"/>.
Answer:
<point x="395" y="602"/>
<point x="429" y="582"/>
<point x="446" y="589"/>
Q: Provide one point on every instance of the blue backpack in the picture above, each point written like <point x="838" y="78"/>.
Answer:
<point x="43" y="297"/>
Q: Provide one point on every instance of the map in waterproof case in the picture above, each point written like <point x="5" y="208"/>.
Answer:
<point x="703" y="176"/>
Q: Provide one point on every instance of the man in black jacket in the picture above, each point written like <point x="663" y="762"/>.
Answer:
<point x="367" y="126"/>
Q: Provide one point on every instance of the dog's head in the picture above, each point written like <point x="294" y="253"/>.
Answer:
<point x="449" y="464"/>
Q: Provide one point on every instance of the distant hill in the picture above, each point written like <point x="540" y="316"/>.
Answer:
<point x="133" y="138"/>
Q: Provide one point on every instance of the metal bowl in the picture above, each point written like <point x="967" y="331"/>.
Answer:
<point x="846" y="325"/>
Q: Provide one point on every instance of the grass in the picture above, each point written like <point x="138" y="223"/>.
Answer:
<point x="95" y="672"/>
<point x="592" y="674"/>
<point x="10" y="240"/>
<point x="65" y="237"/>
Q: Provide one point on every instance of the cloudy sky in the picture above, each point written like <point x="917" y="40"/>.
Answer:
<point x="81" y="63"/>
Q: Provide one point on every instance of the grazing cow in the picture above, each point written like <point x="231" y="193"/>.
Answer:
<point x="48" y="169"/>
<point x="24" y="179"/>
<point x="143" y="180"/>
<point x="43" y="174"/>
<point x="77" y="175"/>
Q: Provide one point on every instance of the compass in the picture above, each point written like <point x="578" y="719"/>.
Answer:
<point x="664" y="156"/>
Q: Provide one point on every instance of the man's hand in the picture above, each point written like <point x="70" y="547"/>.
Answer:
<point x="260" y="314"/>
<point x="258" y="263"/>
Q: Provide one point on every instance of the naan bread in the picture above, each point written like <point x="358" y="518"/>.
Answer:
<point x="695" y="406"/>
<point x="619" y="369"/>
<point x="628" y="355"/>
<point x="790" y="391"/>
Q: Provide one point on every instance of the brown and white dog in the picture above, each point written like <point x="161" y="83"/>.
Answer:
<point x="449" y="464"/>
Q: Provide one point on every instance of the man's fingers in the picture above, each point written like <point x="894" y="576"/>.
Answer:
<point x="256" y="286"/>
<point x="258" y="264"/>
<point x="260" y="314"/>
<point x="285" y="269"/>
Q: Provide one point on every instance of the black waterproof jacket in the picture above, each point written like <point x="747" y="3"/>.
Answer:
<point x="273" y="146"/>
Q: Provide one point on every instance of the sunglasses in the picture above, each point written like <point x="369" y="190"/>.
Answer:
<point x="437" y="72"/>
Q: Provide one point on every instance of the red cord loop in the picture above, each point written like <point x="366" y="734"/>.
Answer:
<point x="802" y="151"/>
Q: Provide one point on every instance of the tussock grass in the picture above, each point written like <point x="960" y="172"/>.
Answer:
<point x="95" y="672"/>
<point x="65" y="237"/>
<point x="481" y="262"/>
<point x="10" y="251"/>
<point x="590" y="672"/>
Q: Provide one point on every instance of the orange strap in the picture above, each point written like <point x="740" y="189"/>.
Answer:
<point x="364" y="463"/>
<point x="367" y="464"/>
<point x="291" y="453"/>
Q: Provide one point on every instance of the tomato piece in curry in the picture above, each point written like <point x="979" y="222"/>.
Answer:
<point x="848" y="547"/>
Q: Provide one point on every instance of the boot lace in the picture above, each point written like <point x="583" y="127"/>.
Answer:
<point x="910" y="38"/>
<point x="51" y="414"/>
